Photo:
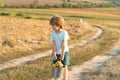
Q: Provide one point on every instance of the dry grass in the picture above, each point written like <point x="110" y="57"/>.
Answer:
<point x="23" y="33"/>
<point x="40" y="69"/>
<point x="21" y="37"/>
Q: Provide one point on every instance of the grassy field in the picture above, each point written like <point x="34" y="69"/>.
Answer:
<point x="21" y="37"/>
<point x="40" y="69"/>
<point x="69" y="14"/>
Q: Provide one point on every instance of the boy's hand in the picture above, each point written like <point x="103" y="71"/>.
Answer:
<point x="54" y="57"/>
<point x="62" y="57"/>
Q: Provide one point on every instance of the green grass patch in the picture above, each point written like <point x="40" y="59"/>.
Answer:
<point x="75" y="14"/>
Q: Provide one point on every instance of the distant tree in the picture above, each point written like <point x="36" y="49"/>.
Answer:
<point x="1" y="3"/>
<point x="65" y="0"/>
<point x="66" y="5"/>
<point x="33" y="6"/>
<point x="35" y="2"/>
<point x="68" y="0"/>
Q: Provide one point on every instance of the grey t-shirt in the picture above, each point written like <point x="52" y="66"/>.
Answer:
<point x="58" y="38"/>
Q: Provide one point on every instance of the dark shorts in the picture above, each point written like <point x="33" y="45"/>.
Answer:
<point x="66" y="60"/>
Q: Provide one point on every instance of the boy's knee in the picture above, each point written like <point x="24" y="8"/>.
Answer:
<point x="65" y="67"/>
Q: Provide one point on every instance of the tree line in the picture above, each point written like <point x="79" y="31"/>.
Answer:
<point x="65" y="4"/>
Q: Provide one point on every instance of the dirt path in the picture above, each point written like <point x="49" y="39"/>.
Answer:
<point x="78" y="71"/>
<point x="109" y="71"/>
<point x="23" y="60"/>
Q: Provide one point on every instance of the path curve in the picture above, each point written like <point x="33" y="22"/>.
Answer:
<point x="21" y="61"/>
<point x="94" y="64"/>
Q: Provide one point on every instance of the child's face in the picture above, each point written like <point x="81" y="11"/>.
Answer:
<point x="56" y="28"/>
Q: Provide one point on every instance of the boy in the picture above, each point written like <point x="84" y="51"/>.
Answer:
<point x="60" y="49"/>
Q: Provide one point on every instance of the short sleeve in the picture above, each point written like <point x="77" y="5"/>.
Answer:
<point x="66" y="36"/>
<point x="52" y="37"/>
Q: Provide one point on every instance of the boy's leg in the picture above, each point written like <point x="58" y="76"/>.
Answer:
<point x="55" y="79"/>
<point x="65" y="74"/>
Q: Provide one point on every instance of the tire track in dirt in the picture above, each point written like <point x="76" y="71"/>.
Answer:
<point x="78" y="71"/>
<point x="23" y="60"/>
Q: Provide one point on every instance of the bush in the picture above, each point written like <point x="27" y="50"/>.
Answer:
<point x="56" y="6"/>
<point x="24" y="6"/>
<point x="9" y="41"/>
<point x="28" y="17"/>
<point x="33" y="6"/>
<point x="66" y="5"/>
<point x="47" y="6"/>
<point x="19" y="14"/>
<point x="5" y="14"/>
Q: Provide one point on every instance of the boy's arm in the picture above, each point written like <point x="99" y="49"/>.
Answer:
<point x="63" y="49"/>
<point x="54" y="49"/>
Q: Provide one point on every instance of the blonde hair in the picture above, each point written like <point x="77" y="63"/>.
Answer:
<point x="57" y="20"/>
